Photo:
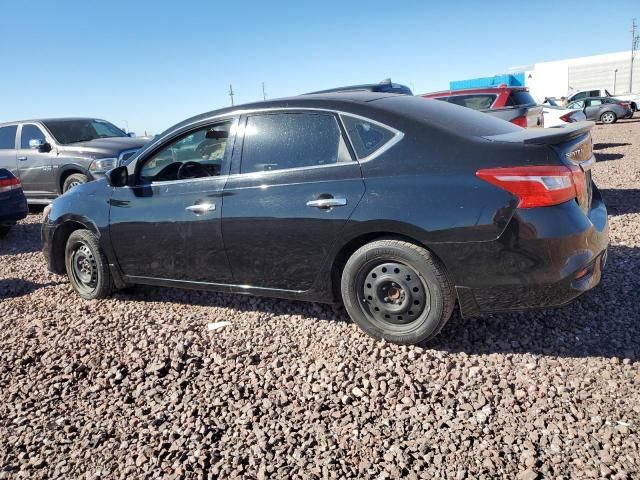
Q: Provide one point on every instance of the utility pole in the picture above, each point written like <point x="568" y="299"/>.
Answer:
<point x="635" y="40"/>
<point x="231" y="93"/>
<point x="264" y="94"/>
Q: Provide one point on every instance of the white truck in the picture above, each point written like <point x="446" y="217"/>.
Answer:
<point x="632" y="98"/>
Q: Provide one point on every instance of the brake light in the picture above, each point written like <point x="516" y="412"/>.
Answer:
<point x="7" y="184"/>
<point x="538" y="186"/>
<point x="566" y="117"/>
<point x="520" y="121"/>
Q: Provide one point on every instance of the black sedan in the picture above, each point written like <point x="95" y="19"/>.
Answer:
<point x="13" y="203"/>
<point x="397" y="206"/>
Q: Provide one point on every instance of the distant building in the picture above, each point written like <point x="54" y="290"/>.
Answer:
<point x="562" y="77"/>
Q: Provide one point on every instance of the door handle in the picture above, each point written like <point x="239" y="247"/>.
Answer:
<point x="201" y="208"/>
<point x="327" y="202"/>
<point x="22" y="159"/>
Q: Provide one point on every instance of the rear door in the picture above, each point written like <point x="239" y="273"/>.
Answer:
<point x="293" y="188"/>
<point x="35" y="165"/>
<point x="8" y="148"/>
<point x="592" y="108"/>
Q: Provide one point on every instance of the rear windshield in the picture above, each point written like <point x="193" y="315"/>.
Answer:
<point x="478" y="101"/>
<point x="518" y="98"/>
<point x="450" y="117"/>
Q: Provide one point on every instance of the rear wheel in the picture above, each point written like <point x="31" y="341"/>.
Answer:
<point x="4" y="230"/>
<point x="87" y="266"/>
<point x="608" y="117"/>
<point x="73" y="181"/>
<point x="397" y="291"/>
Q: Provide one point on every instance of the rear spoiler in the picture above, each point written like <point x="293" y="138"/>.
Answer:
<point x="544" y="136"/>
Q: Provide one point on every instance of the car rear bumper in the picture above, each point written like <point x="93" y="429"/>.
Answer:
<point x="13" y="208"/>
<point x="546" y="257"/>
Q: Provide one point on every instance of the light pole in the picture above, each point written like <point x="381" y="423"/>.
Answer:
<point x="615" y="75"/>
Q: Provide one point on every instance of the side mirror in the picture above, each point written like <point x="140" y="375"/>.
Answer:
<point x="118" y="177"/>
<point x="131" y="134"/>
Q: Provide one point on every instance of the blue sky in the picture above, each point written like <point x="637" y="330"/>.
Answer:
<point x="151" y="64"/>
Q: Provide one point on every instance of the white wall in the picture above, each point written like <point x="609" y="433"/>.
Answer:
<point x="558" y="78"/>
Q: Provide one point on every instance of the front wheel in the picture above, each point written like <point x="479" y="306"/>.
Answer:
<point x="608" y="117"/>
<point x="87" y="266"/>
<point x="397" y="291"/>
<point x="73" y="181"/>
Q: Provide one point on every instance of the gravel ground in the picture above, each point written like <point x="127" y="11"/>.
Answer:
<point x="136" y="386"/>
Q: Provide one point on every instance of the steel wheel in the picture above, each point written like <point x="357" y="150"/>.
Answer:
<point x="84" y="267"/>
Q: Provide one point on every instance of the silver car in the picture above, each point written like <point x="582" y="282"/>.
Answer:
<point x="603" y="109"/>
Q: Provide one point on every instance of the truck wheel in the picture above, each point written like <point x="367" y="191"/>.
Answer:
<point x="397" y="291"/>
<point x="74" y="180"/>
<point x="4" y="230"/>
<point x="608" y="117"/>
<point x="87" y="266"/>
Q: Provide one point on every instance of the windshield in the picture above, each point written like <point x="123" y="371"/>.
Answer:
<point x="82" y="130"/>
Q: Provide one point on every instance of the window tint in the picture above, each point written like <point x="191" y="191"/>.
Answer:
<point x="8" y="137"/>
<point x="291" y="140"/>
<point x="30" y="132"/>
<point x="518" y="98"/>
<point x="204" y="149"/>
<point x="580" y="95"/>
<point x="366" y="137"/>
<point x="594" y="93"/>
<point x="476" y="102"/>
<point x="578" y="105"/>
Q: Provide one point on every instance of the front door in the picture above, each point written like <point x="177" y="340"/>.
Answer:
<point x="8" y="148"/>
<point x="289" y="198"/>
<point x="167" y="226"/>
<point x="35" y="165"/>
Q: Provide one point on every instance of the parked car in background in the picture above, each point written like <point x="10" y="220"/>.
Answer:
<point x="396" y="206"/>
<point x="632" y="98"/>
<point x="50" y="156"/>
<point x="13" y="203"/>
<point x="555" y="115"/>
<point x="513" y="104"/>
<point x="603" y="109"/>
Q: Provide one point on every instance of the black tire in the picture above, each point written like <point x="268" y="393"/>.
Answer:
<point x="87" y="266"/>
<point x="608" y="118"/>
<point x="73" y="180"/>
<point x="4" y="230"/>
<point x="397" y="291"/>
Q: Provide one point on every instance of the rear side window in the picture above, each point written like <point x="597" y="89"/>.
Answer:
<point x="518" y="98"/>
<point x="8" y="137"/>
<point x="476" y="102"/>
<point x="291" y="140"/>
<point x="366" y="137"/>
<point x="30" y="132"/>
<point x="595" y="103"/>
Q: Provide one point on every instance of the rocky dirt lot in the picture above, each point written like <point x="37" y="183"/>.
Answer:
<point x="137" y="387"/>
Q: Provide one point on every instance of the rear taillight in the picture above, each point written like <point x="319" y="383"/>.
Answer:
<point x="7" y="184"/>
<point x="566" y="117"/>
<point x="520" y="121"/>
<point x="537" y="186"/>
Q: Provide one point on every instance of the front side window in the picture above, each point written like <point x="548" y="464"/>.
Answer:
<point x="201" y="153"/>
<point x="595" y="103"/>
<point x="576" y="105"/>
<point x="68" y="131"/>
<point x="580" y="95"/>
<point x="30" y="132"/>
<point x="366" y="137"/>
<point x="8" y="137"/>
<point x="292" y="140"/>
<point x="475" y="102"/>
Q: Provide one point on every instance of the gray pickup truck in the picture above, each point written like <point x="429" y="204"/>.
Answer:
<point x="50" y="156"/>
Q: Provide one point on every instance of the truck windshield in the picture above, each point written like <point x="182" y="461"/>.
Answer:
<point x="82" y="130"/>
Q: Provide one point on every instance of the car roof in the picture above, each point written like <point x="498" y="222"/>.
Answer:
<point x="385" y="87"/>
<point x="44" y="120"/>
